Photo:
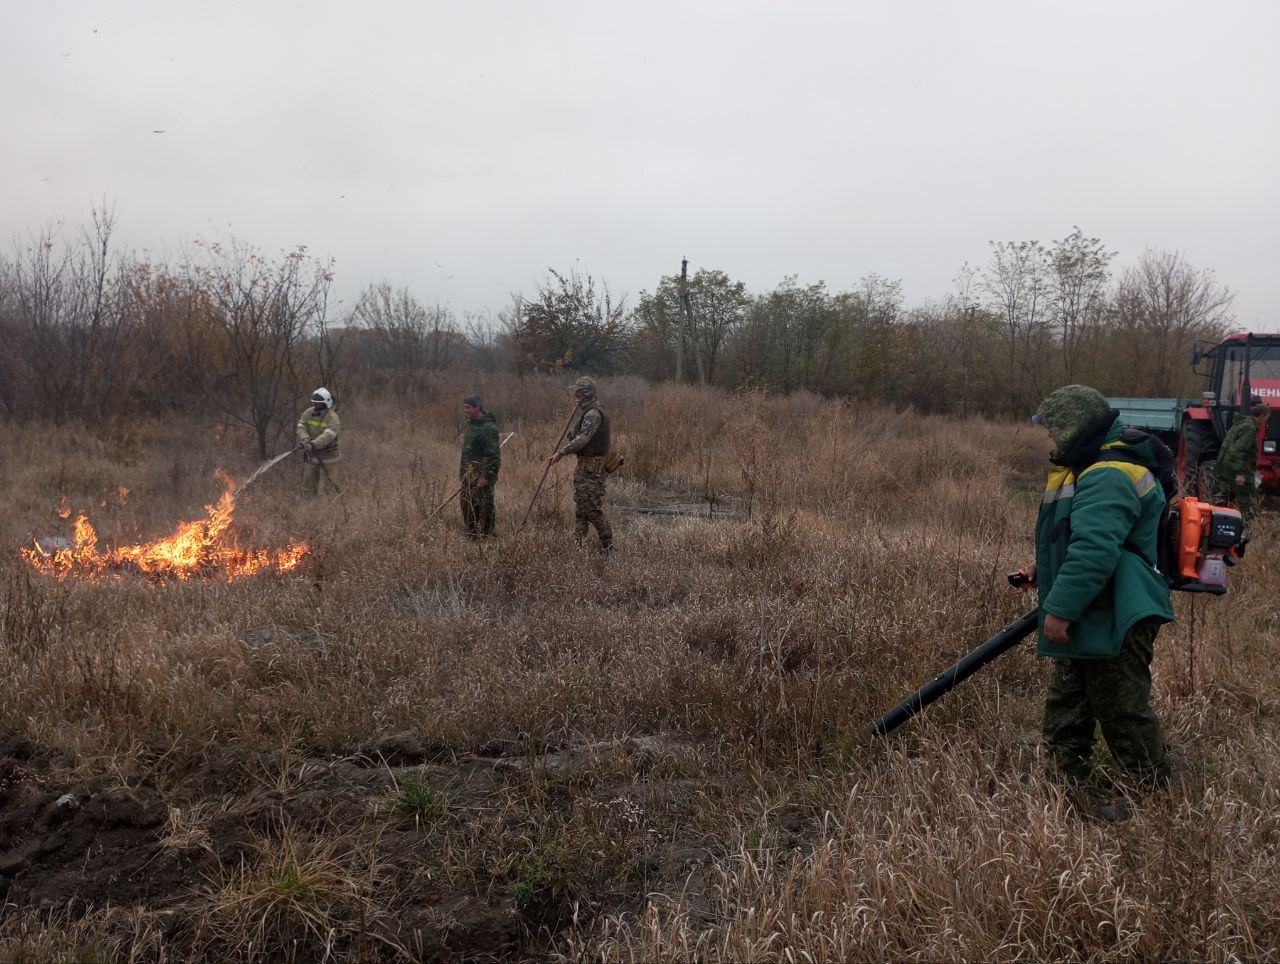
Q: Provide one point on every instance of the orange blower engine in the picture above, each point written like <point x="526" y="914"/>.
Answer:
<point x="1204" y="541"/>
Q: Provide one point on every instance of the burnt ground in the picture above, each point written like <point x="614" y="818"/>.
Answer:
<point x="415" y="852"/>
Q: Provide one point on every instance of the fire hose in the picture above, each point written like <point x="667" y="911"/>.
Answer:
<point x="310" y="456"/>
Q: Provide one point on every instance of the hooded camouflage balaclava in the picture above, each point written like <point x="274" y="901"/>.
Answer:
<point x="584" y="389"/>
<point x="1069" y="412"/>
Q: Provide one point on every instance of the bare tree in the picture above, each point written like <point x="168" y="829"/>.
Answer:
<point x="1163" y="305"/>
<point x="68" y="305"/>
<point x="11" y="336"/>
<point x="1015" y="285"/>
<point x="266" y="312"/>
<point x="408" y="335"/>
<point x="176" y="335"/>
<point x="1077" y="273"/>
<point x="487" y="347"/>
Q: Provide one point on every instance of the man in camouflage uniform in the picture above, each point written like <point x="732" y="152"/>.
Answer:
<point x="589" y="440"/>
<point x="317" y="433"/>
<point x="1102" y="599"/>
<point x="1237" y="464"/>
<point x="481" y="459"/>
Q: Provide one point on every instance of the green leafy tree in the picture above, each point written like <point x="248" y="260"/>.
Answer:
<point x="719" y="306"/>
<point x="572" y="323"/>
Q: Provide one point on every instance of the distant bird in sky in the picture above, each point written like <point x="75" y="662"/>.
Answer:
<point x="157" y="132"/>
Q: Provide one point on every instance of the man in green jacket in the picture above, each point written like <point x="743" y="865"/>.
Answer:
<point x="481" y="459"/>
<point x="1237" y="464"/>
<point x="1102" y="600"/>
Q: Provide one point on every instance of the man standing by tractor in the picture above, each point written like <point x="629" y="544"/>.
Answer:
<point x="1237" y="464"/>
<point x="481" y="459"/>
<point x="317" y="434"/>
<point x="1102" y="600"/>
<point x="589" y="440"/>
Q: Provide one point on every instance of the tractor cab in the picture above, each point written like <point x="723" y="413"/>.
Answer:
<point x="1236" y="369"/>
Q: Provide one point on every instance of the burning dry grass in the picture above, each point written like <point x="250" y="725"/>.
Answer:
<point x="661" y="754"/>
<point x="199" y="549"/>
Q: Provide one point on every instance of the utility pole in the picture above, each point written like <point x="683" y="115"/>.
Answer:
<point x="684" y="318"/>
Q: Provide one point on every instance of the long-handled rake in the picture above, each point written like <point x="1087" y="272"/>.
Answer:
<point x="454" y="494"/>
<point x="547" y="470"/>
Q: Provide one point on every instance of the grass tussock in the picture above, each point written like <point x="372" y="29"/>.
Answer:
<point x="296" y="892"/>
<point x="483" y="751"/>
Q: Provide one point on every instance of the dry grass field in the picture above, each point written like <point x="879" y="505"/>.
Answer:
<point x="524" y="749"/>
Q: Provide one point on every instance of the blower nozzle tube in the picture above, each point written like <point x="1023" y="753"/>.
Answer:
<point x="945" y="681"/>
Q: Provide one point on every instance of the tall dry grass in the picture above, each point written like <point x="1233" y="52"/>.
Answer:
<point x="658" y="754"/>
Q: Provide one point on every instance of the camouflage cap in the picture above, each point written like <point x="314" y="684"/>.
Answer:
<point x="1067" y="412"/>
<point x="584" y="387"/>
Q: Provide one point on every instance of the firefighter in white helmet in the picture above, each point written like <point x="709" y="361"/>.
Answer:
<point x="318" y="428"/>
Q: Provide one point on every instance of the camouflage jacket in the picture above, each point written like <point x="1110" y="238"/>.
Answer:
<point x="590" y="436"/>
<point x="1238" y="454"/>
<point x="481" y="451"/>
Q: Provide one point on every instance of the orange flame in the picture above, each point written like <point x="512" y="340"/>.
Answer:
<point x="203" y="548"/>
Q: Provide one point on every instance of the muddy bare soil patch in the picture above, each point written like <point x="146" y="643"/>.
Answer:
<point x="404" y="852"/>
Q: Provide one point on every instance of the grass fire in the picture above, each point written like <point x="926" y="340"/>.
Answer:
<point x="205" y="548"/>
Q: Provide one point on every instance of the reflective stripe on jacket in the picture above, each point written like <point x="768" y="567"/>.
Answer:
<point x="321" y="431"/>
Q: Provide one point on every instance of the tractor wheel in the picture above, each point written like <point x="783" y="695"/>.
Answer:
<point x="1198" y="449"/>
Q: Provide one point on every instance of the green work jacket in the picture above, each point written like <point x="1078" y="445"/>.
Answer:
<point x="1096" y="552"/>
<point x="481" y="451"/>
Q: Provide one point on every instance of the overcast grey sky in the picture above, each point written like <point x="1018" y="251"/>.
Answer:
<point x="461" y="148"/>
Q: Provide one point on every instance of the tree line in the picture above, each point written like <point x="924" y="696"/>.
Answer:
<point x="91" y="332"/>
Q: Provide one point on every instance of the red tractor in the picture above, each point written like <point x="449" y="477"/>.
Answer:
<point x="1239" y="367"/>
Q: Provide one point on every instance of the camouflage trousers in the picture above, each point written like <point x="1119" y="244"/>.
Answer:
<point x="1242" y="497"/>
<point x="313" y="476"/>
<point x="588" y="500"/>
<point x="477" y="507"/>
<point x="1115" y="695"/>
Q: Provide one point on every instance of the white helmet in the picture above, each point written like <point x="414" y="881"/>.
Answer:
<point x="321" y="396"/>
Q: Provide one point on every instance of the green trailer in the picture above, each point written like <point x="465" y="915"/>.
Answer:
<point x="1159" y="416"/>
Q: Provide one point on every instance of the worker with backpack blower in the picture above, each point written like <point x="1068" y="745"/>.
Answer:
<point x="1102" y="597"/>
